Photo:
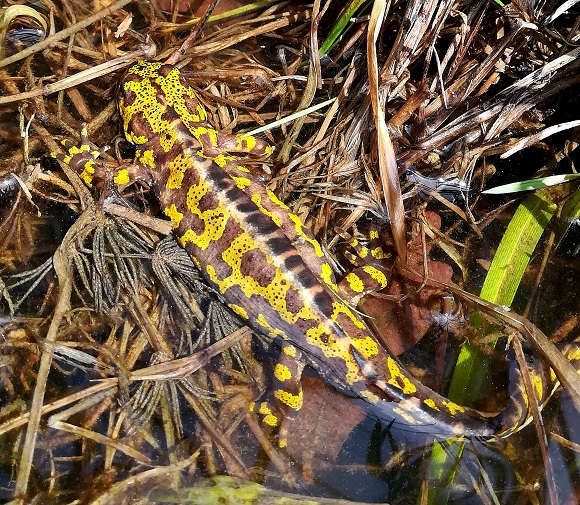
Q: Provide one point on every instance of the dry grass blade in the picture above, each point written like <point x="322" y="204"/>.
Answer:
<point x="63" y="270"/>
<point x="188" y="42"/>
<point x="532" y="139"/>
<point x="118" y="492"/>
<point x="565" y="442"/>
<point x="386" y="153"/>
<point x="307" y="97"/>
<point x="180" y="368"/>
<point x="537" y="417"/>
<point x="276" y="22"/>
<point x="108" y="385"/>
<point x="56" y="422"/>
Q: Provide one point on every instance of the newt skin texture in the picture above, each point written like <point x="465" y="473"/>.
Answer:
<point x="266" y="264"/>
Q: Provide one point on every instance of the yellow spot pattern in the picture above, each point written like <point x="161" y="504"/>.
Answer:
<point x="145" y="69"/>
<point x="147" y="104"/>
<point x="355" y="283"/>
<point x="264" y="409"/>
<point x="240" y="311"/>
<point x="340" y="308"/>
<point x="405" y="415"/>
<point x="273" y="332"/>
<point x="88" y="172"/>
<point x="175" y="93"/>
<point x="370" y="397"/>
<point x="122" y="177"/>
<point x="377" y="275"/>
<point x="214" y="220"/>
<point x="282" y="372"/>
<point x="275" y="292"/>
<point x="242" y="182"/>
<point x="204" y="134"/>
<point x="173" y="214"/>
<point x="327" y="275"/>
<point x="288" y="399"/>
<point x="257" y="199"/>
<point x="306" y="237"/>
<point x="403" y="383"/>
<point x="538" y="385"/>
<point x="245" y="143"/>
<point x="452" y="407"/>
<point x="365" y="346"/>
<point x="275" y="200"/>
<point x="177" y="168"/>
<point x="269" y="418"/>
<point x="221" y="160"/>
<point x="335" y="349"/>
<point x="379" y="254"/>
<point x="431" y="404"/>
<point x="146" y="158"/>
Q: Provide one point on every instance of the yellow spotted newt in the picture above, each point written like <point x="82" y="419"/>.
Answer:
<point x="267" y="265"/>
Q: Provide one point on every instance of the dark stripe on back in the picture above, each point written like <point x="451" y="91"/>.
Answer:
<point x="245" y="206"/>
<point x="233" y="195"/>
<point x="323" y="301"/>
<point x="305" y="277"/>
<point x="261" y="222"/>
<point x="293" y="262"/>
<point x="279" y="245"/>
<point x="222" y="182"/>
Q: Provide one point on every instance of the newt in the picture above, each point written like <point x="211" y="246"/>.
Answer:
<point x="267" y="266"/>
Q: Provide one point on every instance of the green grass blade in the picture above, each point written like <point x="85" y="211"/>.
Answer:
<point x="503" y="278"/>
<point x="339" y="28"/>
<point x="516" y="247"/>
<point x="290" y="117"/>
<point x="243" y="10"/>
<point x="542" y="182"/>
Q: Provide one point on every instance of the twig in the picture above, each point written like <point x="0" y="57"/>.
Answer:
<point x="63" y="270"/>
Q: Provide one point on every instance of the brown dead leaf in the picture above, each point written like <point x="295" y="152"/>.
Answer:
<point x="309" y="435"/>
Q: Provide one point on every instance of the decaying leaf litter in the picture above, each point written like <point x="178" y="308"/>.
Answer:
<point x="428" y="95"/>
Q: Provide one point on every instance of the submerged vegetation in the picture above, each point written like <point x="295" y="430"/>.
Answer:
<point x="125" y="377"/>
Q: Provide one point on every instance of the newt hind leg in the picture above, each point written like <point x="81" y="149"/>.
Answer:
<point x="285" y="399"/>
<point x="371" y="273"/>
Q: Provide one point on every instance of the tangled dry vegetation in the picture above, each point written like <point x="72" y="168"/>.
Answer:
<point x="121" y="373"/>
